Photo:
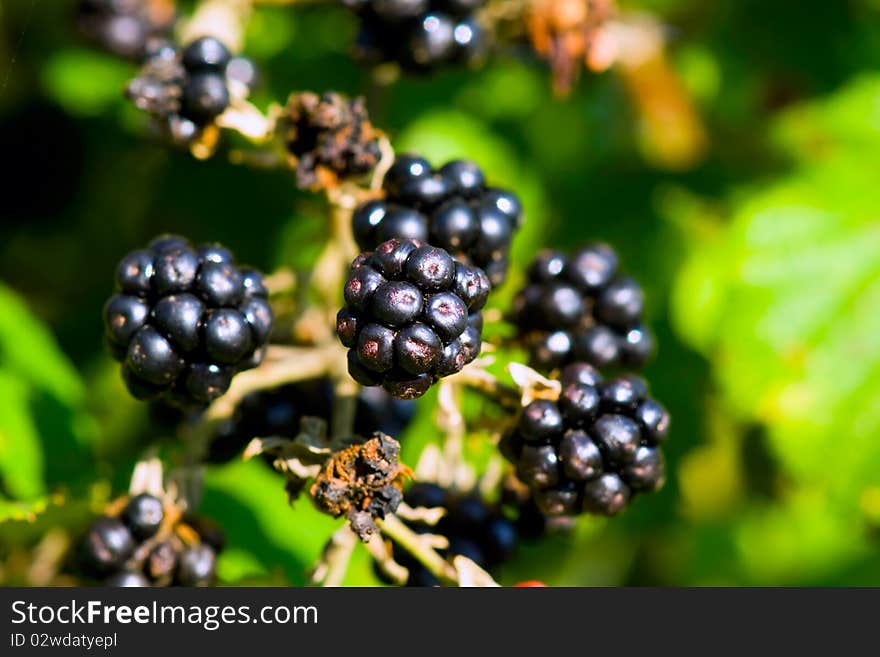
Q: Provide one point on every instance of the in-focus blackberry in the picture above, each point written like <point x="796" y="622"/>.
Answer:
<point x="278" y="411"/>
<point x="420" y="35"/>
<point x="580" y="309"/>
<point x="451" y="208"/>
<point x="412" y="316"/>
<point x="147" y="544"/>
<point x="592" y="449"/>
<point x="475" y="529"/>
<point x="126" y="27"/>
<point x="183" y="323"/>
<point x="185" y="90"/>
<point x="329" y="138"/>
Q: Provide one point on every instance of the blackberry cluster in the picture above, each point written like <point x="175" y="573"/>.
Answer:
<point x="594" y="448"/>
<point x="475" y="529"/>
<point x="451" y="208"/>
<point x="362" y="482"/>
<point x="419" y="35"/>
<point x="128" y="28"/>
<point x="185" y="320"/>
<point x="278" y="412"/>
<point x="580" y="309"/>
<point x="412" y="316"/>
<point x="185" y="90"/>
<point x="143" y="546"/>
<point x="329" y="137"/>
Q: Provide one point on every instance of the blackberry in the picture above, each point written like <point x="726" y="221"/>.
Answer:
<point x="419" y="35"/>
<point x="184" y="321"/>
<point x="580" y="309"/>
<point x="404" y="322"/>
<point x="149" y="545"/>
<point x="475" y="529"/>
<point x="128" y="28"/>
<point x="451" y="208"/>
<point x="185" y="90"/>
<point x="592" y="449"/>
<point x="278" y="411"/>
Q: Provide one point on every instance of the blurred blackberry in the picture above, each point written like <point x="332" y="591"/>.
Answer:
<point x="128" y="28"/>
<point x="185" y="320"/>
<point x="329" y="137"/>
<point x="450" y="207"/>
<point x="580" y="308"/>
<point x="145" y="545"/>
<point x="419" y="35"/>
<point x="591" y="450"/>
<point x="475" y="529"/>
<point x="278" y="412"/>
<point x="186" y="90"/>
<point x="411" y="316"/>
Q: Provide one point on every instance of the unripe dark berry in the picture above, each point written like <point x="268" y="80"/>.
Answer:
<point x="143" y="515"/>
<point x="197" y="566"/>
<point x="107" y="545"/>
<point x="205" y="54"/>
<point x="205" y="96"/>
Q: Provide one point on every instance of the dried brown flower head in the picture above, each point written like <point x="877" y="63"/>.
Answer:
<point x="329" y="138"/>
<point x="571" y="34"/>
<point x="362" y="482"/>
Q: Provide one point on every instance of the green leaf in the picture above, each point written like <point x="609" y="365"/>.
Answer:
<point x="29" y="350"/>
<point x="85" y="82"/>
<point x="793" y="291"/>
<point x="21" y="454"/>
<point x="262" y="529"/>
<point x="11" y="511"/>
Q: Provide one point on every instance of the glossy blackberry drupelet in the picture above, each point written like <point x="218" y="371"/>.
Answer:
<point x="185" y="90"/>
<point x="411" y="316"/>
<point x="475" y="529"/>
<point x="594" y="448"/>
<point x="184" y="320"/>
<point x="451" y="208"/>
<point x="579" y="308"/>
<point x="419" y="35"/>
<point x="141" y="548"/>
<point x="278" y="412"/>
<point x="128" y="28"/>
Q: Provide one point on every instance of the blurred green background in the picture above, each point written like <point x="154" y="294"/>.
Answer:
<point x="739" y="179"/>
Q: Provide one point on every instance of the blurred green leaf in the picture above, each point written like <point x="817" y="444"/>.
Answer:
<point x="85" y="82"/>
<point x="786" y="302"/>
<point x="29" y="350"/>
<point x="11" y="511"/>
<point x="21" y="455"/>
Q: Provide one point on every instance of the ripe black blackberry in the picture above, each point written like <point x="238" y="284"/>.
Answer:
<point x="186" y="90"/>
<point x="128" y="28"/>
<point x="593" y="448"/>
<point x="420" y="35"/>
<point x="411" y="316"/>
<point x="185" y="320"/>
<point x="329" y="138"/>
<point x="278" y="412"/>
<point x="451" y="208"/>
<point x="475" y="529"/>
<point x="579" y="308"/>
<point x="146" y="544"/>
